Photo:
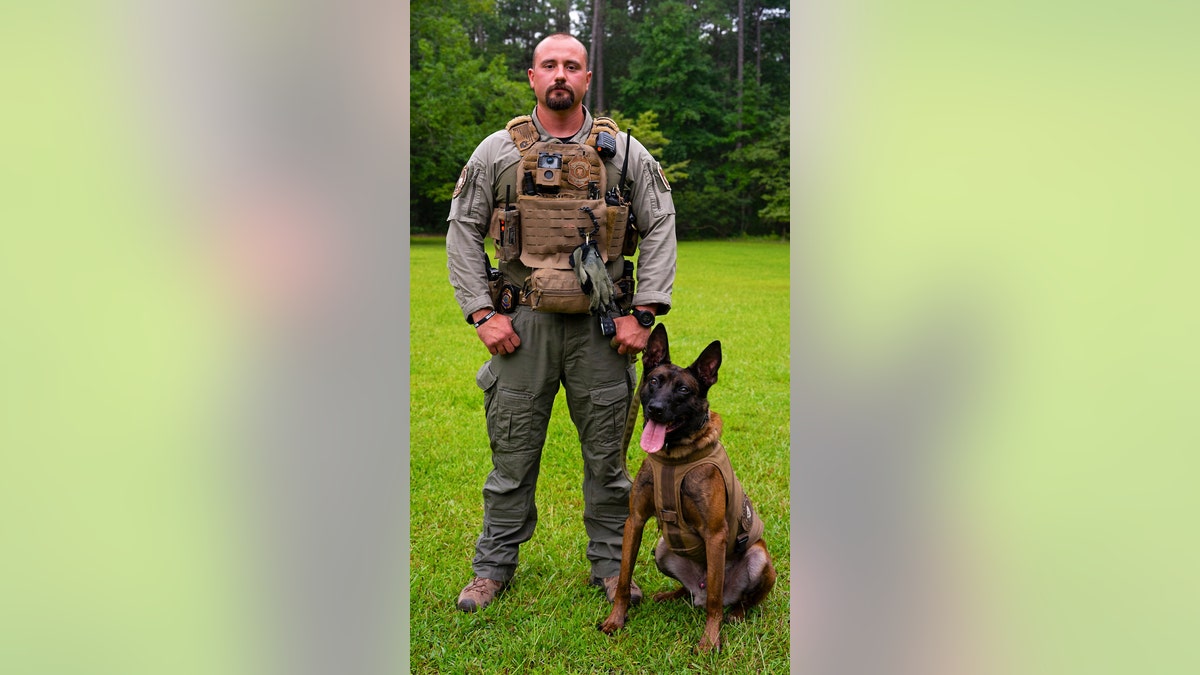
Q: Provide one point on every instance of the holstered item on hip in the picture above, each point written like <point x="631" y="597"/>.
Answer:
<point x="624" y="286"/>
<point x="495" y="286"/>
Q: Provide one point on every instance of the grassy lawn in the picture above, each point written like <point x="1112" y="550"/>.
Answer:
<point x="545" y="621"/>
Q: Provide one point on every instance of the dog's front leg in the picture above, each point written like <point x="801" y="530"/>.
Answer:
<point x="631" y="541"/>
<point x="714" y="550"/>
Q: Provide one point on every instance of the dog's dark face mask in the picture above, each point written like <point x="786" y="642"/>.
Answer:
<point x="674" y="399"/>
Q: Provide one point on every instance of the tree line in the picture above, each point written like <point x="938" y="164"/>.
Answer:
<point x="703" y="84"/>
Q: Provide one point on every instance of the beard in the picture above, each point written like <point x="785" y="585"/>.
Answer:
<point x="558" y="98"/>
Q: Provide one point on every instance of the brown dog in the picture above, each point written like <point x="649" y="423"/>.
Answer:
<point x="711" y="538"/>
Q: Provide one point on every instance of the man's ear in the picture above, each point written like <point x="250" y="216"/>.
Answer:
<point x="657" y="350"/>
<point x="706" y="366"/>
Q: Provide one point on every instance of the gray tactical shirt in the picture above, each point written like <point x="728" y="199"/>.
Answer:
<point x="481" y="188"/>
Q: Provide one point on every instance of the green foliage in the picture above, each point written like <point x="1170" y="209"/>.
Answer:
<point x="672" y="65"/>
<point x="545" y="621"/>
<point x="669" y="70"/>
<point x="645" y="130"/>
<point x="764" y="166"/>
<point x="454" y="95"/>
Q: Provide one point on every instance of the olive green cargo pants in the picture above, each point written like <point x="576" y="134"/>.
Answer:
<point x="519" y="391"/>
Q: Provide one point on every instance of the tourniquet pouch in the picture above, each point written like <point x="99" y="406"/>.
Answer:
<point x="617" y="217"/>
<point x="552" y="290"/>
<point x="505" y="231"/>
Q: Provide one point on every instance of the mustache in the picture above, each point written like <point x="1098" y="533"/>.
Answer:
<point x="560" y="87"/>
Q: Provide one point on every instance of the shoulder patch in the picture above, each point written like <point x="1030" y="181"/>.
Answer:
<point x="458" y="187"/>
<point x="662" y="177"/>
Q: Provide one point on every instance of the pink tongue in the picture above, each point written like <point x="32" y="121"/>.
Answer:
<point x="654" y="436"/>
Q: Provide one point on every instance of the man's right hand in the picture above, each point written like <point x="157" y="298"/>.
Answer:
<point x="497" y="333"/>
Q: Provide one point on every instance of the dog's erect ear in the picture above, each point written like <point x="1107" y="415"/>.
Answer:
<point x="706" y="366"/>
<point x="657" y="351"/>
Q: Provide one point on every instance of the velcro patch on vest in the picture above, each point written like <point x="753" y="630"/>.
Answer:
<point x="522" y="131"/>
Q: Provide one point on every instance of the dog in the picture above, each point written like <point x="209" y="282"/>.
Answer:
<point x="711" y="539"/>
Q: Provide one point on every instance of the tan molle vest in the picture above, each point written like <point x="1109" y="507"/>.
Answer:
<point x="546" y="227"/>
<point x="740" y="517"/>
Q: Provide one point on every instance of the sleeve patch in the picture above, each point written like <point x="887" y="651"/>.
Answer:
<point x="662" y="177"/>
<point x="462" y="181"/>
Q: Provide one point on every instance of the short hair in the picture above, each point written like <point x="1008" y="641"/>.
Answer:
<point x="561" y="36"/>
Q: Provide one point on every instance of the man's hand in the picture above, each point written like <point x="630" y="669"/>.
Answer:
<point x="631" y="338"/>
<point x="497" y="333"/>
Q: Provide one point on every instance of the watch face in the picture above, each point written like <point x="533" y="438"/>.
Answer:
<point x="644" y="317"/>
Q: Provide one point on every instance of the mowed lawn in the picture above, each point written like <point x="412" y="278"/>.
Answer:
<point x="735" y="292"/>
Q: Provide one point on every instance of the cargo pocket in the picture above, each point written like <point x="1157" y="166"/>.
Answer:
<point x="509" y="413"/>
<point x="609" y="405"/>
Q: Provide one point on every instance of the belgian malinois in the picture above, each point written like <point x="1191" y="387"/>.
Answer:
<point x="711" y="538"/>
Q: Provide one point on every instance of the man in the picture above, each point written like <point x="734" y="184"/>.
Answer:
<point x="536" y="344"/>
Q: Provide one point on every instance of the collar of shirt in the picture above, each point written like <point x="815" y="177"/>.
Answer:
<point x="579" y="137"/>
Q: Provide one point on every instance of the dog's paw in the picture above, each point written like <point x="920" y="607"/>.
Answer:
<point x="611" y="625"/>
<point x="708" y="645"/>
<point x="736" y="615"/>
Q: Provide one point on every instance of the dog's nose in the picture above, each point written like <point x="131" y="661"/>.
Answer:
<point x="654" y="408"/>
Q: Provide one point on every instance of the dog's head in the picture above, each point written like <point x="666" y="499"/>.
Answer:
<point x="674" y="399"/>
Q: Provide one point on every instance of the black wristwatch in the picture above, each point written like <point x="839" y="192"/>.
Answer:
<point x="645" y="317"/>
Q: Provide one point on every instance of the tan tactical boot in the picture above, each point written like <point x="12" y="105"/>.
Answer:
<point x="609" y="584"/>
<point x="479" y="593"/>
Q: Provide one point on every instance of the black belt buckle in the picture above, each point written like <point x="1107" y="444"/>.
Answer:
<point x="742" y="540"/>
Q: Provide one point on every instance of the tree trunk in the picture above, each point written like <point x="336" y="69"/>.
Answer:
<point x="758" y="13"/>
<point x="596" y="91"/>
<point x="741" y="60"/>
<point x="562" y="16"/>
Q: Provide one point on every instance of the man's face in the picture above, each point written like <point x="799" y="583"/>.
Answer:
<point x="559" y="76"/>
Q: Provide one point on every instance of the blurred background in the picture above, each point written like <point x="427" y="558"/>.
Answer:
<point x="994" y="370"/>
<point x="204" y="348"/>
<point x="203" y="355"/>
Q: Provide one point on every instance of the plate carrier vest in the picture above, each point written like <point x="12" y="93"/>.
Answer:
<point x="547" y="226"/>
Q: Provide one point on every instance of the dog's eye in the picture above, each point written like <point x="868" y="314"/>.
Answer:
<point x="683" y="389"/>
<point x="654" y="382"/>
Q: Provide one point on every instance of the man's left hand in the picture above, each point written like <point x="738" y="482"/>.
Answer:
<point x="631" y="337"/>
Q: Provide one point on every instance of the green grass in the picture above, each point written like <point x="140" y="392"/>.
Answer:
<point x="546" y="620"/>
